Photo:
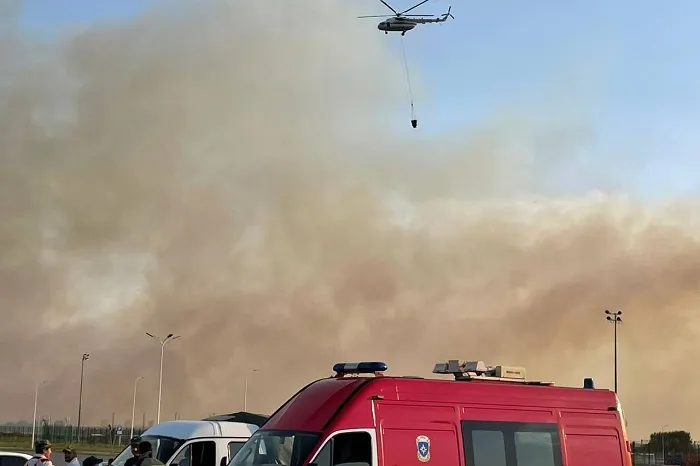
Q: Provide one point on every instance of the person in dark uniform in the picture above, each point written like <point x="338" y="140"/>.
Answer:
<point x="134" y="443"/>
<point x="146" y="455"/>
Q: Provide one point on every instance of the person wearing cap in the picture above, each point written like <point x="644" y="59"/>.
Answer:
<point x="42" y="454"/>
<point x="146" y="455"/>
<point x="92" y="461"/>
<point x="71" y="456"/>
<point x="134" y="452"/>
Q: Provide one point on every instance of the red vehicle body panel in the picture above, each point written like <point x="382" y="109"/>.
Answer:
<point x="399" y="410"/>
<point x="314" y="406"/>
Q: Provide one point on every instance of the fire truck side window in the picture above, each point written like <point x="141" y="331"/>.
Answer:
<point x="350" y="447"/>
<point x="488" y="448"/>
<point x="488" y="443"/>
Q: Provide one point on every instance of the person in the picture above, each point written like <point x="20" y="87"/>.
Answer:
<point x="71" y="456"/>
<point x="42" y="454"/>
<point x="92" y="461"/>
<point x="134" y="452"/>
<point x="146" y="455"/>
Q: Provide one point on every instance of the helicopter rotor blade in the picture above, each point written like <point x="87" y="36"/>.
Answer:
<point x="389" y="6"/>
<point x="417" y="16"/>
<point x="377" y="16"/>
<point x="413" y="7"/>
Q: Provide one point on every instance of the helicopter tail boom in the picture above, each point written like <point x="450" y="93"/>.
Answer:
<point x="441" y="19"/>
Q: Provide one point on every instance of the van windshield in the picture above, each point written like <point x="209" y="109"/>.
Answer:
<point x="276" y="447"/>
<point x="163" y="449"/>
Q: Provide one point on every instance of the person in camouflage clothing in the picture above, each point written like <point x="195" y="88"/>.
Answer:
<point x="42" y="454"/>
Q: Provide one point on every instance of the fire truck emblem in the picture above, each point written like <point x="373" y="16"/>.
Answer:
<point x="423" y="446"/>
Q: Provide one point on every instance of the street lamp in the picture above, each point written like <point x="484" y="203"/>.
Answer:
<point x="663" y="443"/>
<point x="36" y="399"/>
<point x="160" y="378"/>
<point x="245" y="391"/>
<point x="133" y="406"/>
<point x="614" y="318"/>
<point x="86" y="356"/>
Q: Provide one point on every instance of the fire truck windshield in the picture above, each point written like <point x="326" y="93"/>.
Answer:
<point x="276" y="447"/>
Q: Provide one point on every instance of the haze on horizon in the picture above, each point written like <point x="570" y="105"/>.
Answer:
<point x="196" y="171"/>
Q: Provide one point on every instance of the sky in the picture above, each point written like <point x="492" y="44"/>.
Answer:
<point x="634" y="60"/>
<point x="48" y="17"/>
<point x="632" y="63"/>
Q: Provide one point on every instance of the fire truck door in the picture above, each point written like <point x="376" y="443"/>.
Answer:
<point x="418" y="434"/>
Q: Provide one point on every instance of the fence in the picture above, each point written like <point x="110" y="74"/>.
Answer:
<point x="644" y="454"/>
<point x="60" y="433"/>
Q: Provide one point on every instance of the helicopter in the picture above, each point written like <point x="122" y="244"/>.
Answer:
<point x="401" y="22"/>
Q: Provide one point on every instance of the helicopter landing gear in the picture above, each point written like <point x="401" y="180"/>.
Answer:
<point x="386" y="32"/>
<point x="403" y="33"/>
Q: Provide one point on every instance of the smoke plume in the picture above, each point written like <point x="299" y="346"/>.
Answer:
<point x="233" y="172"/>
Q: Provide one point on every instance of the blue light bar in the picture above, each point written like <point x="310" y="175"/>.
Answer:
<point x="359" y="367"/>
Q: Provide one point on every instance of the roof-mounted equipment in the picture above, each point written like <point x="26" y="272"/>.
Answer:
<point x="342" y="369"/>
<point x="240" y="416"/>
<point x="478" y="370"/>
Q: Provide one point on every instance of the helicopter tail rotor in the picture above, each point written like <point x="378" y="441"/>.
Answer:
<point x="448" y="14"/>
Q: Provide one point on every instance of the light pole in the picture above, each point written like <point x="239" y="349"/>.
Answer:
<point x="614" y="318"/>
<point x="245" y="391"/>
<point x="160" y="377"/>
<point x="133" y="406"/>
<point x="36" y="400"/>
<point x="663" y="443"/>
<point x="86" y="356"/>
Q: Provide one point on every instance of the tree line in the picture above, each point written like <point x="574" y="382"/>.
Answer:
<point x="679" y="441"/>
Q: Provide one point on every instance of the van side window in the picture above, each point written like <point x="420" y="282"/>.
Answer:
<point x="197" y="454"/>
<point x="12" y="460"/>
<point x="350" y="447"/>
<point x="233" y="448"/>
<point x="489" y="443"/>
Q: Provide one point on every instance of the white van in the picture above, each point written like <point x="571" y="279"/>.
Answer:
<point x="194" y="443"/>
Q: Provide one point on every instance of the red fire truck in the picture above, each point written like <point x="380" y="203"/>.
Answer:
<point x="483" y="416"/>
